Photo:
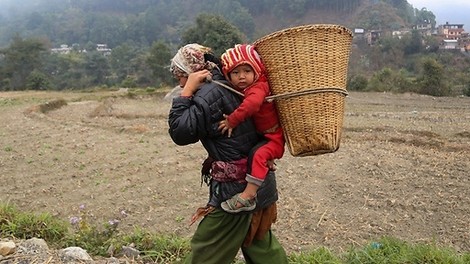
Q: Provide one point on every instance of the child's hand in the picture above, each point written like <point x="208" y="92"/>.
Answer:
<point x="224" y="126"/>
<point x="271" y="165"/>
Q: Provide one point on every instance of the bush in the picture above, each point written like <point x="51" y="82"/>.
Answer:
<point x="37" y="81"/>
<point x="129" y="82"/>
<point x="357" y="83"/>
<point x="432" y="81"/>
<point x="466" y="90"/>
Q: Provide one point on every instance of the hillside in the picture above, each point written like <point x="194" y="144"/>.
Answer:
<point x="143" y="22"/>
<point x="123" y="43"/>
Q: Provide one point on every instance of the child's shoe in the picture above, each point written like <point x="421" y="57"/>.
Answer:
<point x="231" y="205"/>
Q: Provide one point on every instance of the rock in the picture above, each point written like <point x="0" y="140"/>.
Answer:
<point x="7" y="248"/>
<point x="34" y="246"/>
<point x="130" y="252"/>
<point x="75" y="254"/>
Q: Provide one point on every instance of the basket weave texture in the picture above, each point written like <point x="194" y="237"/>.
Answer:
<point x="307" y="71"/>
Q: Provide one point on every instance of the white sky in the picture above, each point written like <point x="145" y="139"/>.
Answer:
<point x="423" y="3"/>
<point x="452" y="11"/>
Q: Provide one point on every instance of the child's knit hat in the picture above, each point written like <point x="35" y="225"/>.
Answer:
<point x="242" y="54"/>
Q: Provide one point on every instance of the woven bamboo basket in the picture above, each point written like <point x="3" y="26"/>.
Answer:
<point x="307" y="71"/>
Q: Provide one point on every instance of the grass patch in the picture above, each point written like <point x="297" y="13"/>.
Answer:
<point x="106" y="240"/>
<point x="98" y="240"/>
<point x="318" y="256"/>
<point x="16" y="224"/>
<point x="9" y="102"/>
<point x="393" y="251"/>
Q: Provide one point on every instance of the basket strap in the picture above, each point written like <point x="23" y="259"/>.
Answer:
<point x="209" y="79"/>
<point x="305" y="92"/>
<point x="227" y="87"/>
<point x="288" y="95"/>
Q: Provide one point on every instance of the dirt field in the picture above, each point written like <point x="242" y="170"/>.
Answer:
<point x="403" y="169"/>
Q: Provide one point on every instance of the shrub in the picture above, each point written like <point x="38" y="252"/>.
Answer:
<point x="357" y="83"/>
<point x="37" y="81"/>
<point x="431" y="81"/>
<point x="466" y="90"/>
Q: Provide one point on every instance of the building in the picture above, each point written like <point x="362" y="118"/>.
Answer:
<point x="425" y="29"/>
<point x="450" y="44"/>
<point x="453" y="36"/>
<point x="64" y="49"/>
<point x="450" y="31"/>
<point x="400" y="33"/>
<point x="103" y="48"/>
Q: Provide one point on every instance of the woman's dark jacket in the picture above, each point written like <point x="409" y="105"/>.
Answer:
<point x="197" y="119"/>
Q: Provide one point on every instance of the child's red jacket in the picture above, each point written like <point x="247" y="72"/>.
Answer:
<point x="264" y="113"/>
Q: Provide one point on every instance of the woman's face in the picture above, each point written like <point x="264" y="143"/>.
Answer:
<point x="182" y="80"/>
<point x="242" y="76"/>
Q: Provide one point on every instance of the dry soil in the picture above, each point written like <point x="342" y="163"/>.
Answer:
<point x="402" y="170"/>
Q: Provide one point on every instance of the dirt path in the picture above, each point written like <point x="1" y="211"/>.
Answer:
<point x="402" y="169"/>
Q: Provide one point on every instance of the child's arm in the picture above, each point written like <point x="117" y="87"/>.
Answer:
<point x="254" y="98"/>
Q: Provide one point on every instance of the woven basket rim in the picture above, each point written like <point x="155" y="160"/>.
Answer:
<point x="303" y="27"/>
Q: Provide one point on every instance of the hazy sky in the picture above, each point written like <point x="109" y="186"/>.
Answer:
<point x="452" y="11"/>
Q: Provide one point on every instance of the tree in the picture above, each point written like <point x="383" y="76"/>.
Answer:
<point x="120" y="59"/>
<point x="96" y="68"/>
<point x="37" y="81"/>
<point x="214" y="32"/>
<point x="380" y="16"/>
<point x="424" y="16"/>
<point x="235" y="14"/>
<point x="67" y="70"/>
<point x="413" y="43"/>
<point x="159" y="60"/>
<point x="20" y="60"/>
<point x="432" y="80"/>
<point x="104" y="28"/>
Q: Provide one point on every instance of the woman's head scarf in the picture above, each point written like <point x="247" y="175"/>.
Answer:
<point x="239" y="55"/>
<point x="191" y="58"/>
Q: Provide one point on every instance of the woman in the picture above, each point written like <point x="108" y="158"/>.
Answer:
<point x="194" y="117"/>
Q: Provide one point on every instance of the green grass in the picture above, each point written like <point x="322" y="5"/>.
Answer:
<point x="99" y="240"/>
<point x="14" y="223"/>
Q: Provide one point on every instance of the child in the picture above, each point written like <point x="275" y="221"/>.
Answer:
<point x="242" y="66"/>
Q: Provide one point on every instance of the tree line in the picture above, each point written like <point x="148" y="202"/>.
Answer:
<point x="28" y="64"/>
<point x="143" y="36"/>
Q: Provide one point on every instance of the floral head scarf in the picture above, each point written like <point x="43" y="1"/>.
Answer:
<point x="189" y="59"/>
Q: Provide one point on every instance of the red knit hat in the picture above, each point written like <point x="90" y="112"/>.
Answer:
<point x="242" y="54"/>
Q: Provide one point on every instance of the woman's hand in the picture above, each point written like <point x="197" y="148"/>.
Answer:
<point x="194" y="81"/>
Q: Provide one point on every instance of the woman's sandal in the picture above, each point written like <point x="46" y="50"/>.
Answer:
<point x="230" y="206"/>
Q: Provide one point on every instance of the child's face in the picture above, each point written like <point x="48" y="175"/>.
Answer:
<point x="242" y="76"/>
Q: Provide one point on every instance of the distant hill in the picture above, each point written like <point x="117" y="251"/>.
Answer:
<point x="143" y="22"/>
